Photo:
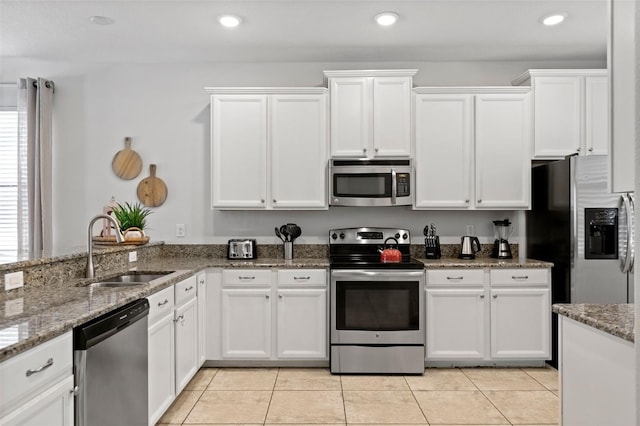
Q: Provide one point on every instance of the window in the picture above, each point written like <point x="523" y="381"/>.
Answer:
<point x="8" y="185"/>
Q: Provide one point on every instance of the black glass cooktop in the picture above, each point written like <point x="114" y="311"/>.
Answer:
<point x="375" y="264"/>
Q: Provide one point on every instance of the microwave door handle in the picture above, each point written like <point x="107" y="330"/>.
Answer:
<point x="394" y="182"/>
<point x="627" y="265"/>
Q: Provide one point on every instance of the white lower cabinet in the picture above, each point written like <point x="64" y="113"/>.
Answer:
<point x="255" y="325"/>
<point x="53" y="407"/>
<point x="173" y="344"/>
<point x="488" y="315"/>
<point x="246" y="323"/>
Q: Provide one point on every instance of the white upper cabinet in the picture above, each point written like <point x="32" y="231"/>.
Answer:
<point x="570" y="112"/>
<point x="262" y="141"/>
<point x="370" y="113"/>
<point x="621" y="58"/>
<point x="483" y="135"/>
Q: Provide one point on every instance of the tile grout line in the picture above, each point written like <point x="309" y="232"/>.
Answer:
<point x="416" y="399"/>
<point x="541" y="384"/>
<point x="197" y="400"/>
<point x="344" y="404"/>
<point x="271" y="397"/>
<point x="487" y="398"/>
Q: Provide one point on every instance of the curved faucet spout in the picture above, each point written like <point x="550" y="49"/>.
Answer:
<point x="119" y="239"/>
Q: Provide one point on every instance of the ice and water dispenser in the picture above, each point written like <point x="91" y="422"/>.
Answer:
<point x="601" y="233"/>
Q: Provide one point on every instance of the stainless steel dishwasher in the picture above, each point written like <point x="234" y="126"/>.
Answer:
<point x="111" y="368"/>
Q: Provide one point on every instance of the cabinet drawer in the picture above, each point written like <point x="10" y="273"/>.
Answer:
<point x="302" y="277"/>
<point x="461" y="277"/>
<point x="518" y="277"/>
<point x="34" y="371"/>
<point x="161" y="303"/>
<point x="251" y="277"/>
<point x="186" y="290"/>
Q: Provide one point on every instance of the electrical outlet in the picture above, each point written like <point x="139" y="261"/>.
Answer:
<point x="133" y="256"/>
<point x="13" y="280"/>
<point x="471" y="230"/>
<point x="13" y="307"/>
<point x="181" y="230"/>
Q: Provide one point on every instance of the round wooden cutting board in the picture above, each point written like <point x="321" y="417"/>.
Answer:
<point x="127" y="164"/>
<point x="152" y="191"/>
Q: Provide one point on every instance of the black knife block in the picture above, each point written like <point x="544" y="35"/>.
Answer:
<point x="432" y="247"/>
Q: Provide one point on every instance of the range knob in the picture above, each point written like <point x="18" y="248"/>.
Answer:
<point x="397" y="236"/>
<point x="342" y="235"/>
<point x="334" y="236"/>
<point x="405" y="236"/>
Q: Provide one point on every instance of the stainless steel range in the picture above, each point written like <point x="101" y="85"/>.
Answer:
<point x="377" y="308"/>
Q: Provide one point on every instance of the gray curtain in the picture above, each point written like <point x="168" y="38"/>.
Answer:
<point x="35" y="102"/>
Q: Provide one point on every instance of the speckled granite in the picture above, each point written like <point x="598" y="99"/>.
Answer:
<point x="265" y="251"/>
<point x="615" y="319"/>
<point x="453" y="250"/>
<point x="486" y="262"/>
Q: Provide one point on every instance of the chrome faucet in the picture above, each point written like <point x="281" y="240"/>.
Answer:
<point x="119" y="238"/>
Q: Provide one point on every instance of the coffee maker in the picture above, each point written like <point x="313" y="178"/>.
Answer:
<point x="502" y="230"/>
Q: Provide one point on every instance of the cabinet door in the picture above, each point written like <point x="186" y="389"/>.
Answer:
<point x="456" y="324"/>
<point x="298" y="148"/>
<point x="350" y="116"/>
<point x="520" y="323"/>
<point x="246" y="323"/>
<point x="596" y="115"/>
<point x="503" y="164"/>
<point x="53" y="407"/>
<point x="202" y="332"/>
<point x="162" y="390"/>
<point x="302" y="323"/>
<point x="392" y="116"/>
<point x="444" y="137"/>
<point x="557" y="114"/>
<point x="186" y="332"/>
<point x="239" y="150"/>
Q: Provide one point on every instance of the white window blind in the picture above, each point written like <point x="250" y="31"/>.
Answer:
<point x="9" y="165"/>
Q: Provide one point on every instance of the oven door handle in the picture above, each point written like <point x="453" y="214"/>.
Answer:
<point x="394" y="191"/>
<point x="354" y="273"/>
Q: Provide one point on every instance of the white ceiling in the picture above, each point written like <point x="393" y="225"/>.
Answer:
<point x="151" y="31"/>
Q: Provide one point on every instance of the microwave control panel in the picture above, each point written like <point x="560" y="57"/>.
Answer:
<point x="403" y="186"/>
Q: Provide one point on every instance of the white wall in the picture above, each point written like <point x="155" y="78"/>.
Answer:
<point x="165" y="110"/>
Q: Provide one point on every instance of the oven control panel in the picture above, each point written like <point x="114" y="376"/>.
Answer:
<point x="368" y="236"/>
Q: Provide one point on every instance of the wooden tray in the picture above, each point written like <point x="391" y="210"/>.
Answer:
<point x="111" y="241"/>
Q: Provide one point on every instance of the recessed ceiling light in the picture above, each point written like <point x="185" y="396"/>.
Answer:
<point x="554" y="18"/>
<point x="386" y="18"/>
<point x="229" y="21"/>
<point x="101" y="20"/>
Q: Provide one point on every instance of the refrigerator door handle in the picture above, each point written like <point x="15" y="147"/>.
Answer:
<point x="627" y="263"/>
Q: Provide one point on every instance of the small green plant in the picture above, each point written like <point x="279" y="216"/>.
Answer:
<point x="131" y="216"/>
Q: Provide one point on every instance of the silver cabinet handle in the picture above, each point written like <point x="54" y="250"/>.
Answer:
<point x="201" y="282"/>
<point x="266" y="296"/>
<point x="262" y="201"/>
<point x="302" y="278"/>
<point x="495" y="296"/>
<point x="37" y="370"/>
<point x="482" y="296"/>
<point x="479" y="201"/>
<point x="181" y="317"/>
<point x="455" y="278"/>
<point x="188" y="289"/>
<point x="578" y="149"/>
<point x="466" y="201"/>
<point x="519" y="277"/>
<point x="74" y="391"/>
<point x="376" y="150"/>
<point x="364" y="150"/>
<point x="280" y="296"/>
<point x="247" y="278"/>
<point x="163" y="303"/>
<point x="591" y="149"/>
<point x="274" y="201"/>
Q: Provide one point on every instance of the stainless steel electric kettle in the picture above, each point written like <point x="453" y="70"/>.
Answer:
<point x="469" y="246"/>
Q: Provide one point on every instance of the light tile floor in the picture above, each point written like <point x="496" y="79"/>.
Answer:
<point x="460" y="396"/>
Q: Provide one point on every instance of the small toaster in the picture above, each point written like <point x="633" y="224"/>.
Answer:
<point x="242" y="249"/>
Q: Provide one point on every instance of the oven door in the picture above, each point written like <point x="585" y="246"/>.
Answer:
<point x="373" y="307"/>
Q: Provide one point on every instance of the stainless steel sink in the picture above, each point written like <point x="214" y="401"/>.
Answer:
<point x="130" y="279"/>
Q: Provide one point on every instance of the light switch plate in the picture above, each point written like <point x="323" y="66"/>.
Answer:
<point x="181" y="230"/>
<point x="13" y="280"/>
<point x="13" y="307"/>
<point x="133" y="256"/>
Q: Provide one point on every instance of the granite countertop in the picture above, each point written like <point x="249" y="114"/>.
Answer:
<point x="615" y="319"/>
<point x="483" y="262"/>
<point x="32" y="315"/>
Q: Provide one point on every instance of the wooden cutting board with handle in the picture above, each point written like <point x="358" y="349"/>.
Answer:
<point x="152" y="191"/>
<point x="127" y="164"/>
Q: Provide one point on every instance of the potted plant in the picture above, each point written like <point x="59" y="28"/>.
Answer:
<point x="132" y="219"/>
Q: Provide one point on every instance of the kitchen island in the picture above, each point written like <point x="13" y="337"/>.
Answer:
<point x="597" y="364"/>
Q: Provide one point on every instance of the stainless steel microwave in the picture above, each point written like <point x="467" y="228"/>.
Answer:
<point x="370" y="182"/>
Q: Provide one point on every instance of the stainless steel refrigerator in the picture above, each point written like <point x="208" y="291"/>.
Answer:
<point x="584" y="230"/>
